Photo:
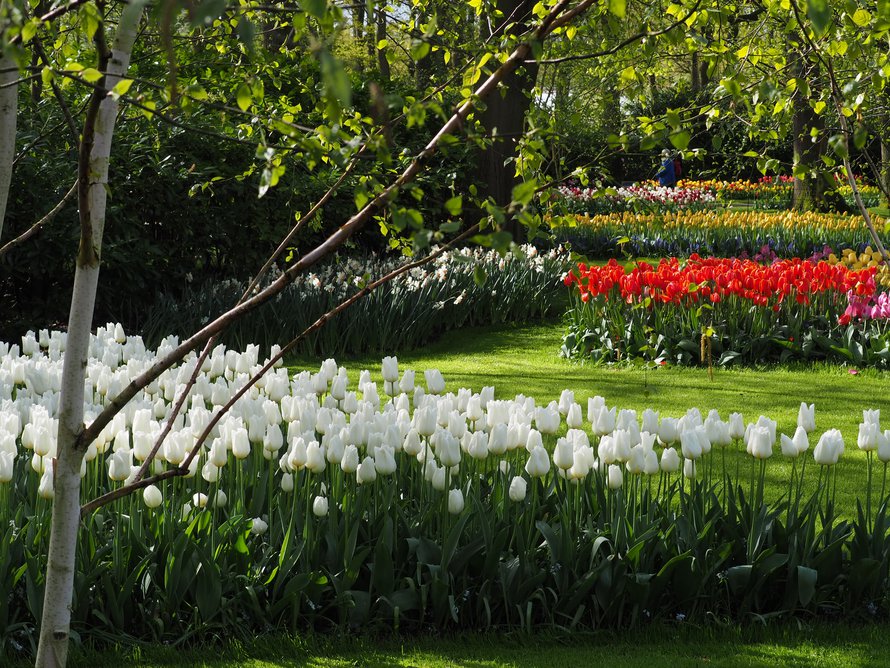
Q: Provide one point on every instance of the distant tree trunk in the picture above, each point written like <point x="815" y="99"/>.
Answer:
<point x="504" y="117"/>
<point x="885" y="170"/>
<point x="8" y="110"/>
<point x="95" y="150"/>
<point x="809" y="191"/>
<point x="382" y="61"/>
<point x="695" y="77"/>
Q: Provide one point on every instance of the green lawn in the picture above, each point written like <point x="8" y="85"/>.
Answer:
<point x="525" y="359"/>
<point x="821" y="646"/>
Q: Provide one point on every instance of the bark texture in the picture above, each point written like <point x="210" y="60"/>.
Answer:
<point x="8" y="109"/>
<point x="52" y="651"/>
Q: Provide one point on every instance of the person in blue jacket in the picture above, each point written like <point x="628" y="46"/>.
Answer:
<point x="666" y="175"/>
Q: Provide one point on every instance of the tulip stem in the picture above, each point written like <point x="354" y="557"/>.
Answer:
<point x="868" y="456"/>
<point x="884" y="485"/>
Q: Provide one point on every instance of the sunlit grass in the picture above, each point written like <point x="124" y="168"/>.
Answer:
<point x="676" y="646"/>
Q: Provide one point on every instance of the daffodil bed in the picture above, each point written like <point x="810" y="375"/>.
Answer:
<point x="317" y="503"/>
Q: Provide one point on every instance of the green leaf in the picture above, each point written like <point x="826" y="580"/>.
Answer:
<point x="121" y="87"/>
<point x="315" y="8"/>
<point x="454" y="205"/>
<point x="479" y="275"/>
<point x="618" y="8"/>
<point x="806" y="584"/>
<point x="860" y="137"/>
<point x="681" y="139"/>
<point x="206" y="12"/>
<point x="819" y="13"/>
<point x="524" y="191"/>
<point x="246" y="32"/>
<point x="243" y="96"/>
<point x="838" y="144"/>
<point x="90" y="19"/>
<point x="91" y="75"/>
<point x="29" y="30"/>
<point x="861" y="17"/>
<point x="337" y="85"/>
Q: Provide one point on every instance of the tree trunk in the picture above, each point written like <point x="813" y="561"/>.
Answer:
<point x="504" y="118"/>
<point x="99" y="127"/>
<point x="885" y="171"/>
<point x="809" y="190"/>
<point x="695" y="81"/>
<point x="382" y="61"/>
<point x="8" y="111"/>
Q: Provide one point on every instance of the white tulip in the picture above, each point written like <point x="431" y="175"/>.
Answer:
<point x="350" y="461"/>
<point x="806" y="417"/>
<point x="455" y="502"/>
<point x="789" y="449"/>
<point x="320" y="506"/>
<point x="518" y="489"/>
<point x="366" y="471"/>
<point x="258" y="526"/>
<point x="689" y="444"/>
<point x="538" y="463"/>
<point x="315" y="457"/>
<point x="390" y="369"/>
<point x="615" y="478"/>
<point x="287" y="483"/>
<point x="670" y="461"/>
<point x="689" y="469"/>
<point x="152" y="496"/>
<point x="867" y="441"/>
<point x="384" y="460"/>
<point x="6" y="462"/>
<point x="406" y="384"/>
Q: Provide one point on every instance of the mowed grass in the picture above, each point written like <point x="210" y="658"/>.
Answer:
<point x="679" y="646"/>
<point x="524" y="359"/>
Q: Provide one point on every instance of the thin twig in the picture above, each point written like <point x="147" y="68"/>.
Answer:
<point x="36" y="227"/>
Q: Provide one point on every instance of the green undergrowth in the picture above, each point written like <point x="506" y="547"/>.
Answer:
<point x="525" y="360"/>
<point x="668" y="646"/>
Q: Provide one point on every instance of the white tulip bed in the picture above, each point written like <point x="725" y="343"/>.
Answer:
<point x="315" y="503"/>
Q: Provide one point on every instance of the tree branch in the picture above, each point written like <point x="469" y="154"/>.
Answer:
<point x="622" y="44"/>
<point x="36" y="227"/>
<point x="455" y="123"/>
<point x="183" y="468"/>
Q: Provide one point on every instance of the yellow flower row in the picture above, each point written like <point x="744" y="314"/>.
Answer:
<point x="761" y="220"/>
<point x="868" y="258"/>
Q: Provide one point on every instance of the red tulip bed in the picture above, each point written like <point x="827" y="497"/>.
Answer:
<point x="724" y="310"/>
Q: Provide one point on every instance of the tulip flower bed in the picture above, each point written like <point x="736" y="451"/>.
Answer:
<point x="720" y="233"/>
<point x="773" y="192"/>
<point x="647" y="197"/>
<point x="317" y="504"/>
<point x="460" y="288"/>
<point x="723" y="311"/>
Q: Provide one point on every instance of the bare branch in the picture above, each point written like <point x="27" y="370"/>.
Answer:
<point x="40" y="224"/>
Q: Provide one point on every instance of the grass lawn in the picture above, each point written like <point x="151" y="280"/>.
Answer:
<point x="525" y="359"/>
<point x="680" y="646"/>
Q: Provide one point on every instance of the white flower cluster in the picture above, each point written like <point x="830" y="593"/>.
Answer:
<point x="343" y="274"/>
<point x="312" y="421"/>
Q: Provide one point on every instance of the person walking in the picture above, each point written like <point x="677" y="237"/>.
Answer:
<point x="666" y="175"/>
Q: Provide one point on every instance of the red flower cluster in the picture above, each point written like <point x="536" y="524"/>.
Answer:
<point x="716" y="279"/>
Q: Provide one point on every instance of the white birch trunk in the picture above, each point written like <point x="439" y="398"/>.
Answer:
<point x="52" y="651"/>
<point x="8" y="111"/>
